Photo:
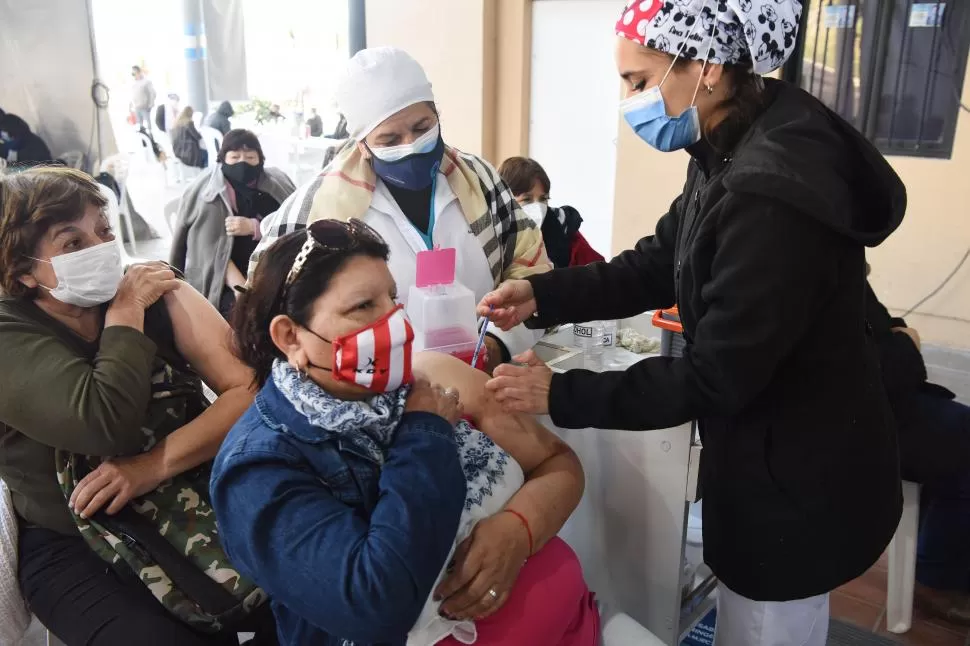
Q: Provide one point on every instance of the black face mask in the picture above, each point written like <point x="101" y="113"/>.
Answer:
<point x="241" y="172"/>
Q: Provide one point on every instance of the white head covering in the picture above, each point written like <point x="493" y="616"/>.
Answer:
<point x="379" y="83"/>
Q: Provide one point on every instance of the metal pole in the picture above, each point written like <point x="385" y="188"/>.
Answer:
<point x="195" y="55"/>
<point x="357" y="26"/>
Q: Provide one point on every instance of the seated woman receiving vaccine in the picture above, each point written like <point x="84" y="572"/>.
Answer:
<point x="373" y="507"/>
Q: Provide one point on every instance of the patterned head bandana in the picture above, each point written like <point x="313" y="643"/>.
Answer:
<point x="760" y="33"/>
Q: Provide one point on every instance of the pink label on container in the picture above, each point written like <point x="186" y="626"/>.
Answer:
<point x="435" y="267"/>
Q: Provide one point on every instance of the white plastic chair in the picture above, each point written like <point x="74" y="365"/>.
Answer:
<point x="120" y="171"/>
<point x="212" y="139"/>
<point x="114" y="218"/>
<point x="902" y="563"/>
<point x="14" y="616"/>
<point x="620" y="629"/>
<point x="73" y="158"/>
<point x="145" y="143"/>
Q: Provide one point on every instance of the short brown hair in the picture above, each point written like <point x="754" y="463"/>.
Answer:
<point x="31" y="203"/>
<point x="520" y="173"/>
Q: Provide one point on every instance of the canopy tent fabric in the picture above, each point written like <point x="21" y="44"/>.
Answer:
<point x="225" y="50"/>
<point x="48" y="64"/>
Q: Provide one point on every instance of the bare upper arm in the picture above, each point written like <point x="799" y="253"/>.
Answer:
<point x="204" y="339"/>
<point x="526" y="440"/>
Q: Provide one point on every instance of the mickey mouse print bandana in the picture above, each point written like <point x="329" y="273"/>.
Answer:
<point x="759" y="33"/>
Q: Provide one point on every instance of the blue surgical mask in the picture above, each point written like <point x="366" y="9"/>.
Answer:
<point x="647" y="115"/>
<point x="646" y="111"/>
<point x="411" y="166"/>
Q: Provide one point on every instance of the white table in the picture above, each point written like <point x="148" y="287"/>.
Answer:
<point x="629" y="529"/>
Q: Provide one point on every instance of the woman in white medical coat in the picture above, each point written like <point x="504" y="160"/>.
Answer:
<point x="398" y="175"/>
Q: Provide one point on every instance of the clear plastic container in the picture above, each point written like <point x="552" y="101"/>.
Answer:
<point x="589" y="338"/>
<point x="609" y="334"/>
<point x="443" y="318"/>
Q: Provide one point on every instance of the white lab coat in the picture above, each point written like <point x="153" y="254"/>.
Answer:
<point x="450" y="229"/>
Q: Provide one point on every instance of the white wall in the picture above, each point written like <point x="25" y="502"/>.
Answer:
<point x="446" y="37"/>
<point x="575" y="95"/>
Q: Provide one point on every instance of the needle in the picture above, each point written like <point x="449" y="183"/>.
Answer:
<point x="481" y="339"/>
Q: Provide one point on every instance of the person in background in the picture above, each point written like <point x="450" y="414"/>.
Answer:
<point x="340" y="130"/>
<point x="398" y="175"/>
<point x="348" y="517"/>
<point x="934" y="449"/>
<point x="187" y="141"/>
<point x="90" y="354"/>
<point x="168" y="113"/>
<point x="18" y="145"/>
<point x="275" y="116"/>
<point x="764" y="254"/>
<point x="218" y="223"/>
<point x="220" y="118"/>
<point x="530" y="185"/>
<point x="315" y="123"/>
<point x="142" y="98"/>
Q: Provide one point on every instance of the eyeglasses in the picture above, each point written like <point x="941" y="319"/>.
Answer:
<point x="331" y="236"/>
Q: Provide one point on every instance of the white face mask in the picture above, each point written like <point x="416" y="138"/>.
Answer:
<point x="536" y="212"/>
<point x="423" y="144"/>
<point x="89" y="277"/>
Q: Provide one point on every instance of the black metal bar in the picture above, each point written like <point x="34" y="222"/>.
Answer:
<point x="875" y="74"/>
<point x="855" y="35"/>
<point x="930" y="77"/>
<point x="818" y="28"/>
<point x="825" y="59"/>
<point x="899" y="70"/>
<point x="844" y="76"/>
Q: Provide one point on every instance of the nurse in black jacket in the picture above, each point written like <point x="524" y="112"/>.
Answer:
<point x="764" y="254"/>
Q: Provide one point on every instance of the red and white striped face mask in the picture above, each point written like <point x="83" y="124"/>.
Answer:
<point x="377" y="357"/>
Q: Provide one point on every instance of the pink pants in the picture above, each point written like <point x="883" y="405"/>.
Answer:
<point x="550" y="604"/>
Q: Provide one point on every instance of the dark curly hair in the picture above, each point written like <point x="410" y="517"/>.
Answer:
<point x="31" y="203"/>
<point x="264" y="299"/>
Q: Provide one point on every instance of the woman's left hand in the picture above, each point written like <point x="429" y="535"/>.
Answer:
<point x="237" y="226"/>
<point x="486" y="562"/>
<point x="523" y="388"/>
<point x="116" y="481"/>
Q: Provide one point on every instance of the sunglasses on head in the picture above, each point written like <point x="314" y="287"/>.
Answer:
<point x="331" y="236"/>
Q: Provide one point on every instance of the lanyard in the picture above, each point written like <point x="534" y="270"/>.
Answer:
<point x="428" y="237"/>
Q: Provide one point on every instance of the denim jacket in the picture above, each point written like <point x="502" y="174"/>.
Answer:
<point x="347" y="551"/>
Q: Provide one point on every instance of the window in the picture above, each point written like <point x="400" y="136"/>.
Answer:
<point x="892" y="68"/>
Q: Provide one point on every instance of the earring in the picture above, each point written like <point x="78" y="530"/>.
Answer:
<point x="304" y="373"/>
<point x="709" y="88"/>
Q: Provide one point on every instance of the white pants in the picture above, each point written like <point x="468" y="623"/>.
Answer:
<point x="744" y="622"/>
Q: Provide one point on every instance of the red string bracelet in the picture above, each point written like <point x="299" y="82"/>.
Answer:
<point x="525" y="523"/>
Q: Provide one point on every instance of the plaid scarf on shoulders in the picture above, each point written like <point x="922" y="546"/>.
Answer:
<point x="344" y="190"/>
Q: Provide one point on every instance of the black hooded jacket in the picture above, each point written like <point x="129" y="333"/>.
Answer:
<point x="764" y="254"/>
<point x="220" y="118"/>
<point x="31" y="149"/>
